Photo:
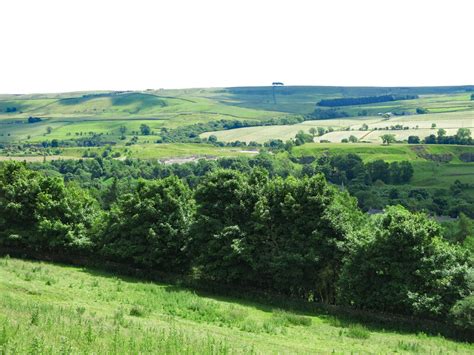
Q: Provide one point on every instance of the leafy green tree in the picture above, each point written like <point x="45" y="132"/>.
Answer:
<point x="41" y="213"/>
<point x="150" y="227"/>
<point x="212" y="138"/>
<point x="387" y="138"/>
<point x="413" y="140"/>
<point x="321" y="131"/>
<point x="441" y="133"/>
<point x="401" y="172"/>
<point x="463" y="135"/>
<point x="225" y="202"/>
<point x="462" y="313"/>
<point x="379" y="170"/>
<point x="145" y="129"/>
<point x="122" y="130"/>
<point x="353" y="139"/>
<point x="464" y="228"/>
<point x="303" y="229"/>
<point x="302" y="138"/>
<point x="405" y="268"/>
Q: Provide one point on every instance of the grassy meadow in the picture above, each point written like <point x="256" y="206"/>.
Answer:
<point x="48" y="308"/>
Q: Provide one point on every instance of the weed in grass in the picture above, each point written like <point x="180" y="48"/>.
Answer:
<point x="35" y="315"/>
<point x="409" y="346"/>
<point x="274" y="326"/>
<point x="4" y="260"/>
<point x="421" y="335"/>
<point x="250" y="325"/>
<point x="119" y="317"/>
<point x="3" y="336"/>
<point x="50" y="281"/>
<point x="234" y="315"/>
<point x="336" y="322"/>
<point x="65" y="346"/>
<point x="137" y="311"/>
<point x="291" y="319"/>
<point x="95" y="283"/>
<point x="36" y="346"/>
<point x="89" y="334"/>
<point x="357" y="331"/>
<point x="80" y="310"/>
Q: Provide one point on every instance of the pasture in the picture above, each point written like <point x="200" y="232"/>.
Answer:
<point x="417" y="125"/>
<point x="48" y="308"/>
<point x="428" y="173"/>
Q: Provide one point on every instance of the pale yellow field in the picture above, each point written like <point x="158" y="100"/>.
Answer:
<point x="374" y="136"/>
<point x="419" y="125"/>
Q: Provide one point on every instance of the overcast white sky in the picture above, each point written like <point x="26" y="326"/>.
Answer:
<point x="57" y="45"/>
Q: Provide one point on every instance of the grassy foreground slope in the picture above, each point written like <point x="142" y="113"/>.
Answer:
<point x="47" y="308"/>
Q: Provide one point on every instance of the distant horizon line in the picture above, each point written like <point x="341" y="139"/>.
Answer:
<point x="240" y="86"/>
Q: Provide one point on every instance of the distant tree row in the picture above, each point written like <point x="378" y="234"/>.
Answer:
<point x="462" y="137"/>
<point x="33" y="119"/>
<point x="350" y="101"/>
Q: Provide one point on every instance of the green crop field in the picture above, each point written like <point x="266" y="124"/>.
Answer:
<point x="47" y="308"/>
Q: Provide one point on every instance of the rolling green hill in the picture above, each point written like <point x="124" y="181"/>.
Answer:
<point x="69" y="117"/>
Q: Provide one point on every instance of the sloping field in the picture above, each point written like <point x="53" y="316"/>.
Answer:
<point x="76" y="116"/>
<point x="419" y="125"/>
<point x="47" y="308"/>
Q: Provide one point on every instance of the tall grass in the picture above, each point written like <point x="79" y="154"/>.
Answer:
<point x="84" y="311"/>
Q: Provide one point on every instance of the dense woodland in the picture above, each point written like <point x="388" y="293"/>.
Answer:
<point x="249" y="227"/>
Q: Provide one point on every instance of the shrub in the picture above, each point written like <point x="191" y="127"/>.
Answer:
<point x="291" y="318"/>
<point x="462" y="313"/>
<point x="408" y="346"/>
<point x="357" y="331"/>
<point x="406" y="268"/>
<point x="137" y="311"/>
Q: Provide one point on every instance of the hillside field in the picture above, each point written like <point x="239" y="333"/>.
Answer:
<point x="72" y="116"/>
<point x="418" y="125"/>
<point x="48" y="308"/>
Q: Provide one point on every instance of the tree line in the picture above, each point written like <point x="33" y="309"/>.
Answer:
<point x="350" y="101"/>
<point x="301" y="237"/>
<point x="373" y="183"/>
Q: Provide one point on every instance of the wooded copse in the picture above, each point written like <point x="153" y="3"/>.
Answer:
<point x="301" y="237"/>
<point x="349" y="101"/>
